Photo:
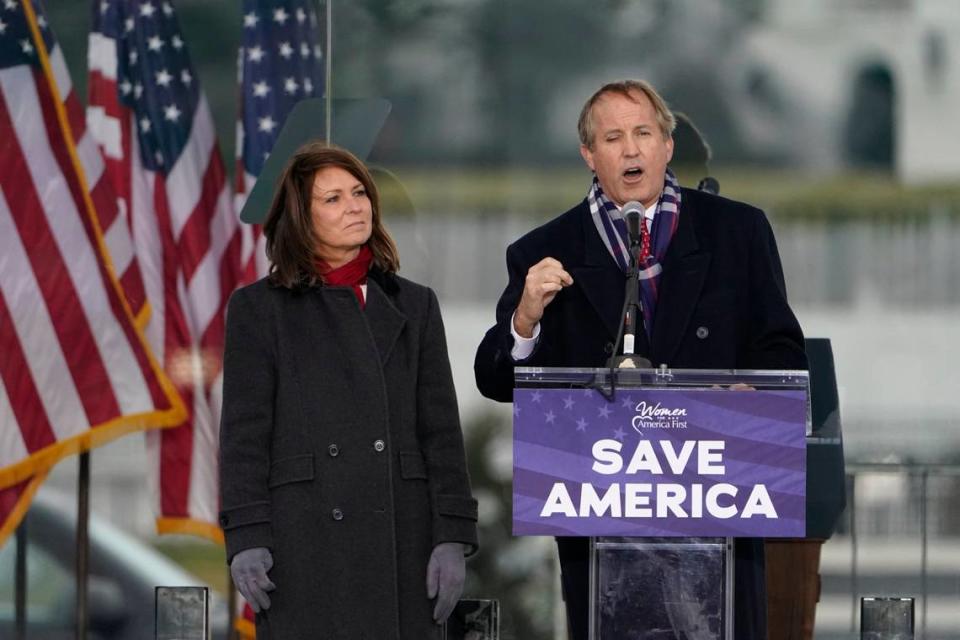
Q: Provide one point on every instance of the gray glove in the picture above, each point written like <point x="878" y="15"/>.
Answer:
<point x="249" y="572"/>
<point x="445" y="574"/>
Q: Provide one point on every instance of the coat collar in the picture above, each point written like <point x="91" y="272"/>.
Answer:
<point x="385" y="320"/>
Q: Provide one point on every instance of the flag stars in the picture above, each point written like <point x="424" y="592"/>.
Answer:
<point x="137" y="91"/>
<point x="177" y="42"/>
<point x="307" y="86"/>
<point x="155" y="43"/>
<point x="3" y="27"/>
<point x="42" y="21"/>
<point x="125" y="87"/>
<point x="171" y="113"/>
<point x="10" y="5"/>
<point x="290" y="86"/>
<point x="301" y="15"/>
<point x="163" y="78"/>
<point x="26" y="46"/>
<point x="255" y="54"/>
<point x="147" y="9"/>
<point x="186" y="78"/>
<point x="285" y="50"/>
<point x="267" y="124"/>
<point x="133" y="56"/>
<point x="167" y="9"/>
<point x="250" y="20"/>
<point x="304" y="50"/>
<point x="128" y="25"/>
<point x="158" y="157"/>
<point x="317" y="51"/>
<point x="261" y="89"/>
<point x="145" y="125"/>
<point x="280" y="16"/>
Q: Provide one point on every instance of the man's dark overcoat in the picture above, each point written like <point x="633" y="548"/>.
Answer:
<point x="722" y="305"/>
<point x="341" y="452"/>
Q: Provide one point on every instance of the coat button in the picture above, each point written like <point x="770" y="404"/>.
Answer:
<point x="337" y="514"/>
<point x="379" y="445"/>
<point x="333" y="450"/>
<point x="702" y="332"/>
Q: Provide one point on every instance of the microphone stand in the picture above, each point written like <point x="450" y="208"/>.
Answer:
<point x="628" y="328"/>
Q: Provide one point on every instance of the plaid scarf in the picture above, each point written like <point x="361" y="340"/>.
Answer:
<point x="613" y="231"/>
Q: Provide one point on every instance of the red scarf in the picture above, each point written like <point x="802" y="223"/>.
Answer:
<point x="353" y="274"/>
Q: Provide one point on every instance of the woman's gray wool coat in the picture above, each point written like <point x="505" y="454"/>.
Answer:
<point x="341" y="452"/>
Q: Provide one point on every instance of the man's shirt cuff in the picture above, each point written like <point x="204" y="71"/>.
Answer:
<point x="523" y="347"/>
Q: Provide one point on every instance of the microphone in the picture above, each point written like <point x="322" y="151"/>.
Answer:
<point x="633" y="212"/>
<point x="710" y="185"/>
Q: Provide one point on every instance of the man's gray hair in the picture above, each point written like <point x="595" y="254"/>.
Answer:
<point x="627" y="89"/>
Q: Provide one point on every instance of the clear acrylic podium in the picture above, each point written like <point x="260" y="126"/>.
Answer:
<point x="659" y="587"/>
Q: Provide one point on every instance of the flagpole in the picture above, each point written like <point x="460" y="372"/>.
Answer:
<point x="328" y="73"/>
<point x="21" y="582"/>
<point x="83" y="542"/>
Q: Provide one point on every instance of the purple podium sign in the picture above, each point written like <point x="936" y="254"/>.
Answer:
<point x="659" y="463"/>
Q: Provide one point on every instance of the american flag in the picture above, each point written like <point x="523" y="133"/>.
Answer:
<point x="280" y="63"/>
<point x="153" y="124"/>
<point x="75" y="371"/>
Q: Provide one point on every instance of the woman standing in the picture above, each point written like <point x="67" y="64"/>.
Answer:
<point x="345" y="500"/>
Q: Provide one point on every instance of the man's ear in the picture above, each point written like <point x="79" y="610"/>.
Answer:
<point x="587" y="155"/>
<point x="669" y="149"/>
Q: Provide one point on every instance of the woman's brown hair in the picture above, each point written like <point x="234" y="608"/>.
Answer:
<point x="289" y="227"/>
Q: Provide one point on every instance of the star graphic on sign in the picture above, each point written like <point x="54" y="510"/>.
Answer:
<point x="145" y="125"/>
<point x="581" y="425"/>
<point x="185" y="77"/>
<point x="26" y="46"/>
<point x="619" y="434"/>
<point x="604" y="412"/>
<point x="250" y="20"/>
<point x="255" y="54"/>
<point x="285" y="50"/>
<point x="280" y="16"/>
<point x="163" y="78"/>
<point x="535" y="396"/>
<point x="568" y="403"/>
<point x="177" y="42"/>
<point x="171" y="113"/>
<point x="627" y="402"/>
<point x="267" y="124"/>
<point x="301" y="15"/>
<point x="549" y="417"/>
<point x="516" y="410"/>
<point x="290" y="86"/>
<point x="154" y="43"/>
<point x="261" y="89"/>
<point x="147" y="9"/>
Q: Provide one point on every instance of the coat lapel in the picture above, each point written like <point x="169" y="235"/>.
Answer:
<point x="599" y="277"/>
<point x="385" y="320"/>
<point x="684" y="271"/>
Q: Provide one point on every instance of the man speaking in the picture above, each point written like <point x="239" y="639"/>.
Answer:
<point x="711" y="291"/>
